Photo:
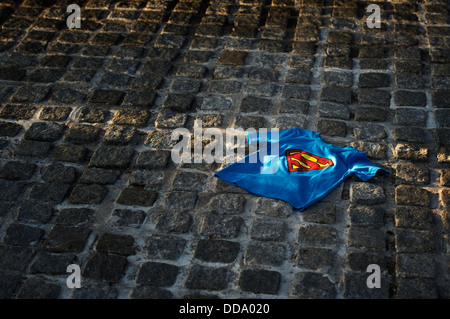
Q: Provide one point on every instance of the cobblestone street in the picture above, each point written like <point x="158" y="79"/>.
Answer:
<point x="86" y="175"/>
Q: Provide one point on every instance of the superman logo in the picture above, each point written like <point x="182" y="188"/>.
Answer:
<point x="299" y="160"/>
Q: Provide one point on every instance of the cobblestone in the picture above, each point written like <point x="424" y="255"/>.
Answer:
<point x="74" y="216"/>
<point x="58" y="173"/>
<point x="440" y="98"/>
<point x="414" y="153"/>
<point x="11" y="111"/>
<point x="445" y="177"/>
<point x="233" y="58"/>
<point x="131" y="117"/>
<point x="367" y="239"/>
<point x="82" y="134"/>
<point x="151" y="274"/>
<point x="317" y="235"/>
<point x="414" y="241"/>
<point x="264" y="253"/>
<point x="70" y="153"/>
<point x="176" y="222"/>
<point x="137" y="196"/>
<point x="332" y="128"/>
<point x="368" y="216"/>
<point x="420" y="196"/>
<point x="178" y="102"/>
<point x="410" y="98"/>
<point x="54" y="113"/>
<point x="227" y="204"/>
<point x="111" y="157"/>
<point x="119" y="135"/>
<point x="335" y="94"/>
<point x="355" y="286"/>
<point x="38" y="288"/>
<point x="412" y="174"/>
<point x="93" y="115"/>
<point x="66" y="239"/>
<point x="408" y="116"/>
<point x="372" y="80"/>
<point x="216" y="251"/>
<point x="367" y="194"/>
<point x="128" y="217"/>
<point x="109" y="243"/>
<point x="39" y="213"/>
<point x="102" y="96"/>
<point x="9" y="129"/>
<point x="221" y="226"/>
<point x="374" y="97"/>
<point x="316" y="258"/>
<point x="266" y="229"/>
<point x="86" y="175"/>
<point x="51" y="264"/>
<point x="414" y="287"/>
<point x="48" y="192"/>
<point x="22" y="235"/>
<point x="87" y="194"/>
<point x="410" y="134"/>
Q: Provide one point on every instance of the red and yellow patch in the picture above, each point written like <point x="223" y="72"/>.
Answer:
<point x="299" y="160"/>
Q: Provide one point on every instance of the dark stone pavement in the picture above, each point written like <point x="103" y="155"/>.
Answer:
<point x="86" y="176"/>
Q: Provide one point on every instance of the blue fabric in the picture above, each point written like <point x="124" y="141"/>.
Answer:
<point x="306" y="170"/>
